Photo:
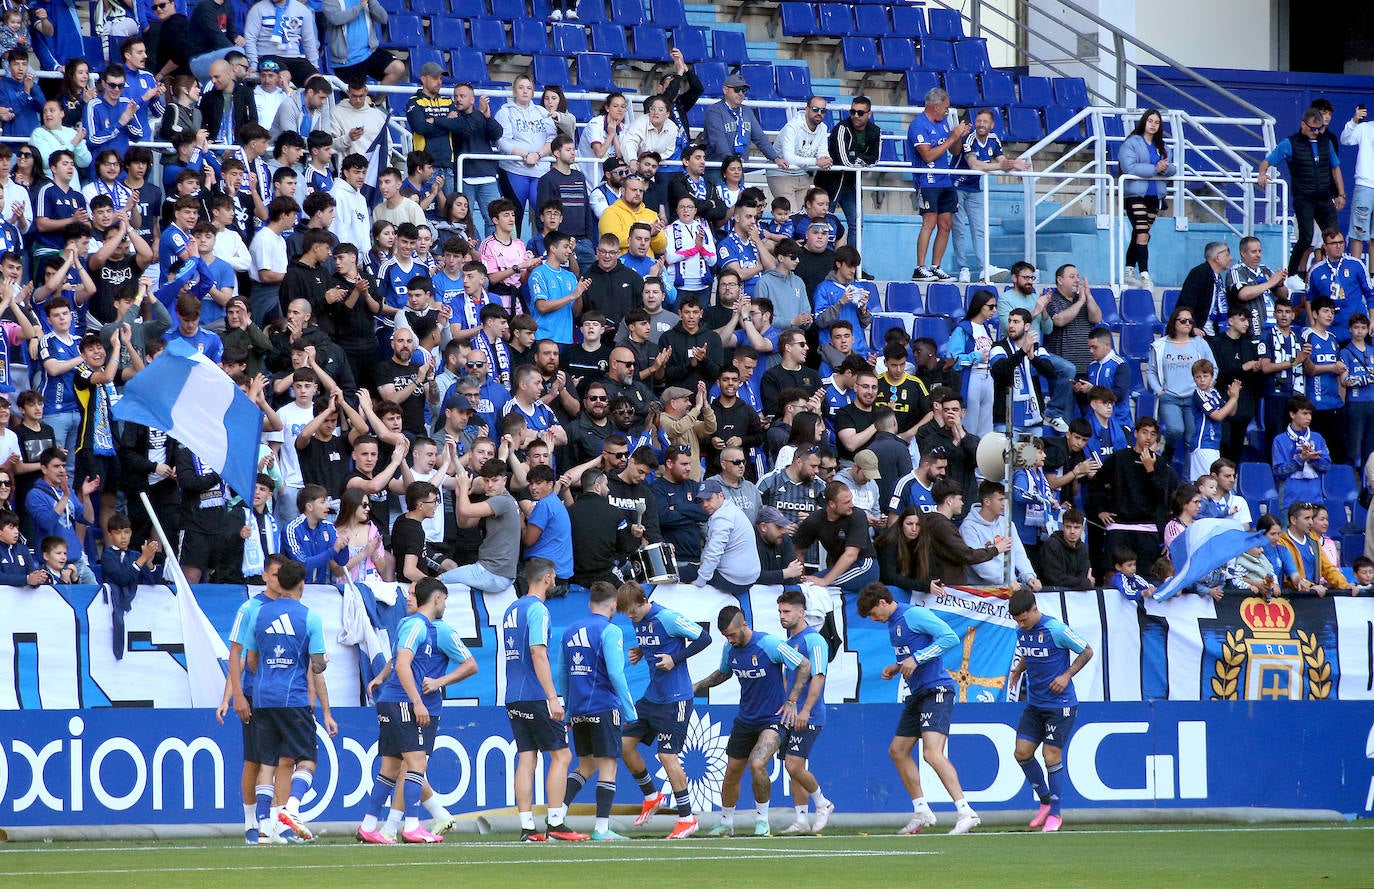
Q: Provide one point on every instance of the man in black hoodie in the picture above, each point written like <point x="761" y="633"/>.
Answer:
<point x="1129" y="496"/>
<point x="697" y="355"/>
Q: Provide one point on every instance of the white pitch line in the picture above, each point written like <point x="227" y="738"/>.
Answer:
<point x="448" y="863"/>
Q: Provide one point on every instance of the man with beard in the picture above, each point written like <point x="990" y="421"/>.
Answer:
<point x="680" y="514"/>
<point x="854" y="425"/>
<point x="554" y="391"/>
<point x="946" y="433"/>
<point x="796" y="492"/>
<point x="589" y="431"/>
<point x="622" y="382"/>
<point x="406" y="384"/>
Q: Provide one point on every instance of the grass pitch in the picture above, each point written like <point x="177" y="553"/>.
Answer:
<point x="1124" y="856"/>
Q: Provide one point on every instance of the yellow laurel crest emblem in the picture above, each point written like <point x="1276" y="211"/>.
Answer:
<point x="1272" y="662"/>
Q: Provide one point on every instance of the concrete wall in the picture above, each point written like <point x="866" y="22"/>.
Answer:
<point x="1215" y="34"/>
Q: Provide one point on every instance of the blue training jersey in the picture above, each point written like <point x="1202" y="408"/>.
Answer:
<point x="918" y="633"/>
<point x="285" y="634"/>
<point x="594" y="668"/>
<point x="1207" y="436"/>
<point x="242" y="631"/>
<point x="436" y="647"/>
<point x="1044" y="651"/>
<point x="664" y="631"/>
<point x="759" y="668"/>
<point x="525" y="625"/>
<point x="1323" y="388"/>
<point x="812" y="646"/>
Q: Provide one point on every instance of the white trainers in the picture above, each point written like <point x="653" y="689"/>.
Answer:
<point x="919" y="822"/>
<point x="1146" y="281"/>
<point x="823" y="817"/>
<point x="1129" y="278"/>
<point x="797" y="827"/>
<point x="965" y="824"/>
<point x="965" y="276"/>
<point x="443" y="825"/>
<point x="556" y="15"/>
<point x="994" y="273"/>
<point x="1294" y="284"/>
<point x="1058" y="424"/>
<point x="572" y="15"/>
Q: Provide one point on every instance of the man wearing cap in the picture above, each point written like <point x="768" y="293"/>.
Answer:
<point x="433" y="119"/>
<point x="862" y="481"/>
<point x="685" y="421"/>
<point x="729" y="558"/>
<point x="613" y="172"/>
<point x="778" y="562"/>
<point x="284" y="32"/>
<point x="680" y="516"/>
<point x="628" y="209"/>
<point x="268" y="95"/>
<point x="731" y="126"/>
<point x="738" y="489"/>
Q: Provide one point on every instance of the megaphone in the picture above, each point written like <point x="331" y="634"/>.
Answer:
<point x="993" y="453"/>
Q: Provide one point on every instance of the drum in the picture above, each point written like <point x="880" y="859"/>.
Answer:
<point x="656" y="564"/>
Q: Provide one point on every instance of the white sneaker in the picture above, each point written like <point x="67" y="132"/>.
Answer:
<point x="443" y="825"/>
<point x="1058" y="424"/>
<point x="823" y="817"/>
<point x="556" y="15"/>
<point x="966" y="823"/>
<point x="994" y="273"/>
<point x="1146" y="281"/>
<point x="572" y="15"/>
<point x="965" y="276"/>
<point x="1129" y="278"/>
<point x="797" y="827"/>
<point x="1294" y="284"/>
<point x="919" y="822"/>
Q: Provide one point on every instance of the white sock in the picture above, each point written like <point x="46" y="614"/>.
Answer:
<point x="727" y="816"/>
<point x="920" y="805"/>
<point x="761" y="811"/>
<point x="393" y="820"/>
<point x="435" y="810"/>
<point x="250" y="815"/>
<point x="963" y="807"/>
<point x="412" y="823"/>
<point x="819" y="799"/>
<point x="273" y="820"/>
<point x="369" y="823"/>
<point x="801" y="813"/>
<point x="527" y="821"/>
<point x="556" y="816"/>
<point x="603" y="825"/>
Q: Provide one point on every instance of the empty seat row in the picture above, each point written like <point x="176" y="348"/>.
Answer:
<point x="663" y="13"/>
<point x="870" y="20"/>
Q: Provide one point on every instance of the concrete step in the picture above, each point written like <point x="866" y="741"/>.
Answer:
<point x="1077" y="225"/>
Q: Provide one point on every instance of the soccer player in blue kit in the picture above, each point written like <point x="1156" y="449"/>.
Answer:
<point x="799" y="737"/>
<point x="665" y="640"/>
<point x="285" y="652"/>
<point x="533" y="706"/>
<point x="765" y="707"/>
<point x="920" y="639"/>
<point x="409" y="705"/>
<point x="1043" y="645"/>
<point x="599" y="702"/>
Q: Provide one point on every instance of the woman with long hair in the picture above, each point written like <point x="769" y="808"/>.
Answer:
<point x="969" y="345"/>
<point x="1184" y="508"/>
<point x="383" y="239"/>
<point x="76" y="91"/>
<point x="458" y="219"/>
<point x="183" y="111"/>
<point x="808" y="431"/>
<point x="1143" y="154"/>
<point x="28" y="169"/>
<point x="368" y="559"/>
<point x="1169" y="374"/>
<point x="732" y="181"/>
<point x="901" y="561"/>
<point x="527" y="129"/>
<point x="556" y="103"/>
<point x="601" y="135"/>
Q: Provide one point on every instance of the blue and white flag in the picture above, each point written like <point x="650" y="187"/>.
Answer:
<point x="1204" y="546"/>
<point x="189" y="397"/>
<point x="378" y="154"/>
<point x="373" y="650"/>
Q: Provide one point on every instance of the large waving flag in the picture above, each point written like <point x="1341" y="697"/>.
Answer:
<point x="378" y="154"/>
<point x="357" y="629"/>
<point x="1204" y="546"/>
<point x="189" y="397"/>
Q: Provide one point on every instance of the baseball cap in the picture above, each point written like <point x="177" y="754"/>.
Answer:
<point x="868" y="462"/>
<point x="818" y="222"/>
<point x="710" y="488"/>
<point x="675" y="392"/>
<point x="268" y="65"/>
<point x="771" y="515"/>
<point x="432" y="69"/>
<point x="737" y="81"/>
<point x="614" y="163"/>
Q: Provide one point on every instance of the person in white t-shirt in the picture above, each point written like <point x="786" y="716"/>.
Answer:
<point x="294" y="417"/>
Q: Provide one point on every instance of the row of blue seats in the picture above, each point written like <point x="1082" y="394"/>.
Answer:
<point x="1135" y="305"/>
<point x="869" y="20"/>
<point x="664" y="13"/>
<point x="1340" y="484"/>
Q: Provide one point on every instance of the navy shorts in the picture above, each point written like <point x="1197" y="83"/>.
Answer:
<point x="597" y="734"/>
<point x="664" y="721"/>
<point x="398" y="733"/>
<point x="930" y="711"/>
<point x="796" y="743"/>
<point x="744" y="735"/>
<point x="284" y="733"/>
<point x="250" y="736"/>
<point x="938" y="200"/>
<point x="1050" y="726"/>
<point x="534" y="728"/>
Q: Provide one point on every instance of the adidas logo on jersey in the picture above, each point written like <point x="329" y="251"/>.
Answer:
<point x="579" y="639"/>
<point x="281" y="627"/>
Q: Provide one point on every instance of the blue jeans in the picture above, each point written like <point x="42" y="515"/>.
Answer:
<point x="1359" y="436"/>
<point x="585" y="251"/>
<point x="525" y="188"/>
<point x="66" y="427"/>
<point x="1061" y="389"/>
<point x="477" y="577"/>
<point x="846" y="202"/>
<point x="479" y="196"/>
<point x="968" y="231"/>
<point x="1176" y="421"/>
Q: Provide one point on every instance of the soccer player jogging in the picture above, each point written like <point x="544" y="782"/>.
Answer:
<point x="920" y="640"/>
<point x="1042" y="653"/>
<point x="285" y="652"/>
<point x="533" y="706"/>
<point x="765" y="705"/>
<point x="666" y="640"/>
<point x="238" y="693"/>
<point x="599" y="702"/>
<point x="800" y="735"/>
<point x="408" y="709"/>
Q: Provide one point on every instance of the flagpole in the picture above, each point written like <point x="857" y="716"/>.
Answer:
<point x="161" y="534"/>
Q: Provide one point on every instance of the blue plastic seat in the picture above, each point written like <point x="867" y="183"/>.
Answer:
<point x="530" y="37"/>
<point x="945" y="299"/>
<point x="998" y="88"/>
<point x="551" y="71"/>
<point x="918" y="83"/>
<point x="936" y="327"/>
<point x="1057" y="116"/>
<point x="447" y="32"/>
<point x="772" y="118"/>
<point x="794" y="81"/>
<point x="885" y="321"/>
<point x="691" y="42"/>
<point x="650" y="44"/>
<point x="1024" y="124"/>
<point x="1136" y="340"/>
<point x="1035" y="91"/>
<point x="569" y="39"/>
<point x="405" y="31"/>
<point x="937" y="55"/>
<point x="904" y="296"/>
<point x="729" y="47"/>
<point x="971" y="54"/>
<point x="860" y="54"/>
<point x="469" y="65"/>
<point x="871" y="21"/>
<point x="1257" y="480"/>
<point x="594" y="72"/>
<point x="469" y="9"/>
<point x="1071" y="92"/>
<point x="712" y="77"/>
<point x="1340" y="483"/>
<point x="835" y="19"/>
<point x="1112" y="127"/>
<point x="908" y="20"/>
<point x="1106" y="301"/>
<point x="509" y="10"/>
<point x="627" y="12"/>
<point x="429" y="7"/>
<point x="1138" y="307"/>
<point x="761" y="80"/>
<point x="798" y="19"/>
<point x="668" y="13"/>
<point x="610" y="39"/>
<point x="1169" y="300"/>
<point x="899" y="53"/>
<point x="590" y="12"/>
<point x="1352" y="547"/>
<point x="946" y="24"/>
<point x="489" y="35"/>
<point x="963" y="89"/>
<point x="422" y="55"/>
<point x="95" y="50"/>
